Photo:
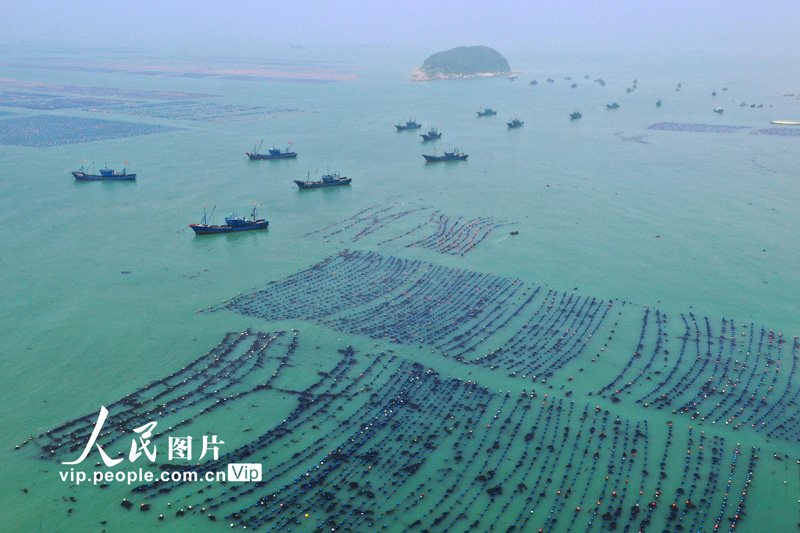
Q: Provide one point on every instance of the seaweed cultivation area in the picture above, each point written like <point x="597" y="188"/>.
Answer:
<point x="41" y="131"/>
<point x="374" y="441"/>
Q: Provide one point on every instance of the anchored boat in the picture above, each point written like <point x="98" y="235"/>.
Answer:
<point x="106" y="174"/>
<point x="331" y="179"/>
<point x="515" y="123"/>
<point x="433" y="134"/>
<point x="409" y="125"/>
<point x="272" y="153"/>
<point x="575" y="115"/>
<point x="488" y="112"/>
<point x="612" y="106"/>
<point x="455" y="155"/>
<point x="232" y="223"/>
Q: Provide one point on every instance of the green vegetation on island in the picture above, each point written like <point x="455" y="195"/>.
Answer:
<point x="462" y="62"/>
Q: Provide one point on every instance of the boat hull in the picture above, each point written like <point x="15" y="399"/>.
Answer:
<point x="203" y="229"/>
<point x="286" y="155"/>
<point x="81" y="176"/>
<point x="404" y="128"/>
<point x="426" y="137"/>
<point x="319" y="184"/>
<point x="437" y="159"/>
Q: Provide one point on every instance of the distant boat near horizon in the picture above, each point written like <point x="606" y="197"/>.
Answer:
<point x="576" y="114"/>
<point x="515" y="123"/>
<point x="453" y="155"/>
<point x="431" y="135"/>
<point x="272" y="153"/>
<point x="409" y="125"/>
<point x="487" y="112"/>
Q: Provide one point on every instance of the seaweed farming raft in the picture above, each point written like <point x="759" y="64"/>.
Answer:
<point x="743" y="377"/>
<point x="374" y="442"/>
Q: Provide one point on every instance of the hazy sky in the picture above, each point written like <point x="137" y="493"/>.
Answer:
<point x="419" y="24"/>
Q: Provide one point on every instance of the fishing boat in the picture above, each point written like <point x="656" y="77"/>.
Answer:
<point x="487" y="112"/>
<point x="515" y="123"/>
<point x="550" y="80"/>
<point x="534" y="82"/>
<point x="612" y="106"/>
<point x="432" y="134"/>
<point x="714" y="93"/>
<point x="232" y="223"/>
<point x="658" y="104"/>
<point x="409" y="125"/>
<point x="575" y="115"/>
<point x="574" y="85"/>
<point x="454" y="155"/>
<point x="106" y="174"/>
<point x="272" y="153"/>
<point x="331" y="179"/>
<point x="718" y="110"/>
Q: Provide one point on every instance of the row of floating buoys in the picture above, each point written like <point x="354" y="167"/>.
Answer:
<point x="697" y="128"/>
<point x="723" y="377"/>
<point x="453" y="235"/>
<point x="417" y="450"/>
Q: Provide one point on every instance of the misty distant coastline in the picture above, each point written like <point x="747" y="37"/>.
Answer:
<point x="462" y="62"/>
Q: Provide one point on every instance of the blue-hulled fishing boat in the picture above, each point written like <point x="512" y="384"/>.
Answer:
<point x="232" y="223"/>
<point x="487" y="112"/>
<point x="106" y="174"/>
<point x="432" y="134"/>
<point x="455" y="155"/>
<point x="612" y="106"/>
<point x="515" y="123"/>
<point x="409" y="125"/>
<point x="331" y="179"/>
<point x="272" y="153"/>
<point x="575" y="115"/>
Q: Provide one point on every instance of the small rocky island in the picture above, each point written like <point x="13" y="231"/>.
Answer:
<point x="462" y="62"/>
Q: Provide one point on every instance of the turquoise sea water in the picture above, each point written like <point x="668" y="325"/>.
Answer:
<point x="101" y="281"/>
